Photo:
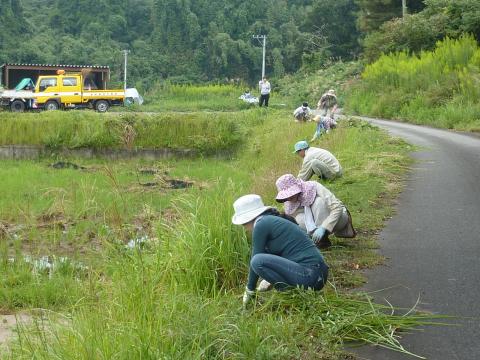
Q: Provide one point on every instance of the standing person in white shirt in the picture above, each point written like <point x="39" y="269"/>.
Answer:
<point x="264" y="87"/>
<point x="317" y="161"/>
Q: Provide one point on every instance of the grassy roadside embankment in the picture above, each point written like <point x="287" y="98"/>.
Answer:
<point x="179" y="297"/>
<point x="307" y="86"/>
<point x="440" y="88"/>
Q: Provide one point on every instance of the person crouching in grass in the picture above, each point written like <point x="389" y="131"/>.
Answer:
<point x="282" y="253"/>
<point x="315" y="209"/>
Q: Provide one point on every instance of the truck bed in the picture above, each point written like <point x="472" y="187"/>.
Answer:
<point x="104" y="94"/>
<point x="20" y="94"/>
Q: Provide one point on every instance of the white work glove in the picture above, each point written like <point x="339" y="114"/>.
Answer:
<point x="318" y="234"/>
<point x="247" y="296"/>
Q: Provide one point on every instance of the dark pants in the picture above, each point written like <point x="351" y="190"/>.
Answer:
<point x="284" y="273"/>
<point x="264" y="99"/>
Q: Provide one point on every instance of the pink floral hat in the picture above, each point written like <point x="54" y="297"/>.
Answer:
<point x="288" y="186"/>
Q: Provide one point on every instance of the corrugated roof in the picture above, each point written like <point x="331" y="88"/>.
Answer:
<point x="57" y="65"/>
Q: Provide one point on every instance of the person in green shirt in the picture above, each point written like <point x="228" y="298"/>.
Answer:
<point x="282" y="253"/>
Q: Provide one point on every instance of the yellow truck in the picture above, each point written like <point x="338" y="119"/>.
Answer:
<point x="62" y="91"/>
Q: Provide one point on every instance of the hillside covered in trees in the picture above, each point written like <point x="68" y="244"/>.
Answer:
<point x="200" y="40"/>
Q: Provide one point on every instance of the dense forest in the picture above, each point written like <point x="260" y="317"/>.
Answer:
<point x="200" y="40"/>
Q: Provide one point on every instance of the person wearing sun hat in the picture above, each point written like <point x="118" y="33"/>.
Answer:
<point x="315" y="209"/>
<point x="282" y="253"/>
<point x="317" y="161"/>
<point x="328" y="103"/>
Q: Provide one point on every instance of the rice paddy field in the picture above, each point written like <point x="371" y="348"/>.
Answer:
<point x="138" y="259"/>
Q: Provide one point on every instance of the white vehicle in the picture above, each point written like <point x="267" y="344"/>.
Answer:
<point x="17" y="100"/>
<point x="133" y="97"/>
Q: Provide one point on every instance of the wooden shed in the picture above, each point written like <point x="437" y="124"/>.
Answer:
<point x="12" y="73"/>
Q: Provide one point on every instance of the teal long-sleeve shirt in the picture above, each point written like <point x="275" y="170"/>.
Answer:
<point x="278" y="236"/>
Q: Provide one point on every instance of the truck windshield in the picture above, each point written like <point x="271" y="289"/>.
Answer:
<point x="70" y="81"/>
<point x="47" y="82"/>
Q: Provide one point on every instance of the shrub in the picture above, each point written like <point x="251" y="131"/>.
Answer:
<point x="413" y="33"/>
<point x="433" y="87"/>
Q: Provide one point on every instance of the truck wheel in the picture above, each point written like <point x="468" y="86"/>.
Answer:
<point x="17" y="106"/>
<point x="102" y="106"/>
<point x="51" y="105"/>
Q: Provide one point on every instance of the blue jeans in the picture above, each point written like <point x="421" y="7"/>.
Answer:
<point x="284" y="273"/>
<point x="321" y="127"/>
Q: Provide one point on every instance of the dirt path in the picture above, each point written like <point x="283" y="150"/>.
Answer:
<point x="8" y="325"/>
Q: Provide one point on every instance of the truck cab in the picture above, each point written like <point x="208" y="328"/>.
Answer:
<point x="66" y="91"/>
<point x="53" y="92"/>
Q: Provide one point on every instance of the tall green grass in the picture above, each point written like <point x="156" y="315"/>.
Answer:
<point x="206" y="245"/>
<point x="25" y="286"/>
<point x="438" y="88"/>
<point x="180" y="296"/>
<point x="147" y="322"/>
<point x="207" y="133"/>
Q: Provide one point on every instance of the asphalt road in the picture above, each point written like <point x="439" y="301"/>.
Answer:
<point x="432" y="245"/>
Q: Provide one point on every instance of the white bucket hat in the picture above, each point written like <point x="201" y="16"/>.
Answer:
<point x="247" y="208"/>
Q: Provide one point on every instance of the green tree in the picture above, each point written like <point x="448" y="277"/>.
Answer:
<point x="463" y="15"/>
<point x="332" y="25"/>
<point x="421" y="31"/>
<point x="278" y="68"/>
<point x="373" y="13"/>
<point x="413" y="33"/>
<point x="13" y="26"/>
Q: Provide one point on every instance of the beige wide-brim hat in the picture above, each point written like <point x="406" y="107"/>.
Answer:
<point x="247" y="208"/>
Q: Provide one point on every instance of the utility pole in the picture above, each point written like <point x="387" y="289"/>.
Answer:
<point x="404" y="8"/>
<point x="264" y="37"/>
<point x="125" y="54"/>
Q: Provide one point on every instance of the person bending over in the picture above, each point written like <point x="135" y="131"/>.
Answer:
<point x="315" y="209"/>
<point x="282" y="253"/>
<point x="324" y="125"/>
<point x="328" y="103"/>
<point x="317" y="161"/>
